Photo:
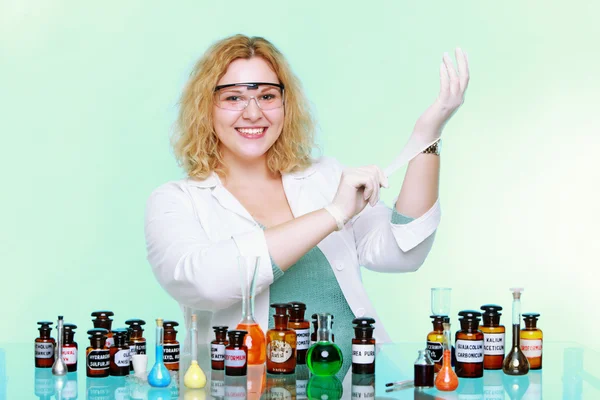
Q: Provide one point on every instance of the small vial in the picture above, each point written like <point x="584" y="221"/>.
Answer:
<point x="281" y="343"/>
<point x="469" y="346"/>
<point x="120" y="357"/>
<point x="424" y="371"/>
<point x="493" y="337"/>
<point x="435" y="341"/>
<point x="97" y="355"/>
<point x="217" y="348"/>
<point x="102" y="320"/>
<point x="44" y="346"/>
<point x="69" y="351"/>
<point x="302" y="329"/>
<point x="236" y="354"/>
<point x="532" y="340"/>
<point x="363" y="346"/>
<point x="171" y="346"/>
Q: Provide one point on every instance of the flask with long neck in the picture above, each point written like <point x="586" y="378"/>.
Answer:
<point x="515" y="362"/>
<point x="446" y="379"/>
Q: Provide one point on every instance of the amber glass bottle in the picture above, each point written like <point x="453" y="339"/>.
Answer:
<point x="97" y="355"/>
<point x="102" y="320"/>
<point x="469" y="346"/>
<point x="532" y="340"/>
<point x="69" y="351"/>
<point x="281" y="343"/>
<point x="363" y="346"/>
<point x="493" y="337"/>
<point x="236" y="354"/>
<point x="137" y="335"/>
<point x="217" y="348"/>
<point x="435" y="341"/>
<point x="120" y="356"/>
<point x="171" y="346"/>
<point x="302" y="329"/>
<point x="44" y="346"/>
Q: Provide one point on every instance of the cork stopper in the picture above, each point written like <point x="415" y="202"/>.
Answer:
<point x="159" y="322"/>
<point x="194" y="317"/>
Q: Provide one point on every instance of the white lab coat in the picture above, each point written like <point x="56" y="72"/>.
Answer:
<point x="195" y="229"/>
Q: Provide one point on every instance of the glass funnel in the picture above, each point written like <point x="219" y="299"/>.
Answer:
<point x="255" y="339"/>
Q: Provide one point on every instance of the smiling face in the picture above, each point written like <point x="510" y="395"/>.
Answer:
<point x="248" y="134"/>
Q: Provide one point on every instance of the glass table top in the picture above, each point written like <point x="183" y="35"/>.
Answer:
<point x="570" y="371"/>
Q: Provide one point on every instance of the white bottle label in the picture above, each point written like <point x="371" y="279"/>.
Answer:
<point x="44" y="350"/>
<point x="279" y="351"/>
<point x="217" y="352"/>
<point x="493" y="344"/>
<point x="531" y="348"/>
<point x="235" y="358"/>
<point x="363" y="392"/>
<point x="279" y="393"/>
<point x="302" y="339"/>
<point x="363" y="353"/>
<point x="469" y="351"/>
<point x="69" y="355"/>
<point x="122" y="358"/>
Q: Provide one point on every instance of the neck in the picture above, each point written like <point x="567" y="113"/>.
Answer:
<point x="246" y="171"/>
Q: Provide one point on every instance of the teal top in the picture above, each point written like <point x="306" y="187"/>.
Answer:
<point x="312" y="281"/>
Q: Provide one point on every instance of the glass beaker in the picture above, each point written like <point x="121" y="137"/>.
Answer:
<point x="255" y="339"/>
<point x="440" y="301"/>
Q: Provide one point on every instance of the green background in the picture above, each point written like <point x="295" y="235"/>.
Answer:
<point x="89" y="91"/>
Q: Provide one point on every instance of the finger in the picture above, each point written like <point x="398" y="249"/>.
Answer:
<point x="463" y="69"/>
<point x="382" y="178"/>
<point x="368" y="190"/>
<point x="444" y="82"/>
<point x="454" y="82"/>
<point x="375" y="195"/>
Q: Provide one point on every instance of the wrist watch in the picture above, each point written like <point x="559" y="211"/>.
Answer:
<point x="434" y="148"/>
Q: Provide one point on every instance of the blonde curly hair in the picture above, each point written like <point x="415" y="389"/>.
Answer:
<point x="195" y="142"/>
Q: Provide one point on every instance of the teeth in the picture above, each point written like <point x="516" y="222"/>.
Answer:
<point x="254" y="131"/>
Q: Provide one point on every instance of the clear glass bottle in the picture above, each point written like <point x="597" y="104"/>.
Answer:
<point x="281" y="343"/>
<point x="302" y="328"/>
<point x="532" y="339"/>
<point x="435" y="341"/>
<point x="171" y="346"/>
<point x="515" y="362"/>
<point x="469" y="346"/>
<point x="424" y="371"/>
<point x="159" y="374"/>
<point x="44" y="346"/>
<point x="324" y="358"/>
<point x="446" y="380"/>
<point x="217" y="348"/>
<point x="363" y="346"/>
<point x="493" y="337"/>
<point x="255" y="338"/>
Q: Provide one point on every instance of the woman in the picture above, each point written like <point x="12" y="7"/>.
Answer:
<point x="245" y="139"/>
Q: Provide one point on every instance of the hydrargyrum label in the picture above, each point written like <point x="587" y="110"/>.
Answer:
<point x="302" y="339"/>
<point x="98" y="359"/>
<point x="170" y="353"/>
<point x="469" y="351"/>
<point x="217" y="352"/>
<point x="363" y="353"/>
<point x="44" y="350"/>
<point x="279" y="351"/>
<point x="531" y="348"/>
<point x="122" y="358"/>
<point x="140" y="348"/>
<point x="435" y="350"/>
<point x="363" y="392"/>
<point x="493" y="344"/>
<point x="235" y="358"/>
<point x="69" y="355"/>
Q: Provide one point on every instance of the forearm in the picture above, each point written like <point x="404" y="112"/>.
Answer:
<point x="420" y="188"/>
<point x="288" y="242"/>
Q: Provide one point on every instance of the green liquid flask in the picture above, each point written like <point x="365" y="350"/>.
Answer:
<point x="324" y="358"/>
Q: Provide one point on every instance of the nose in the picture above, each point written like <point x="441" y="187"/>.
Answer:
<point x="252" y="112"/>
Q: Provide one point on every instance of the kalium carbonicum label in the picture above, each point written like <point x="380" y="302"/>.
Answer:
<point x="493" y="344"/>
<point x="435" y="350"/>
<point x="217" y="352"/>
<point x="469" y="351"/>
<point x="44" y="350"/>
<point x="363" y="353"/>
<point x="279" y="351"/>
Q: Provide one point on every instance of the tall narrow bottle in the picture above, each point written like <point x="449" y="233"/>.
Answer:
<point x="532" y="340"/>
<point x="515" y="362"/>
<point x="255" y="339"/>
<point x="493" y="337"/>
<point x="281" y="343"/>
<point x="302" y="328"/>
<point x="59" y="367"/>
<point x="69" y="352"/>
<point x="446" y="380"/>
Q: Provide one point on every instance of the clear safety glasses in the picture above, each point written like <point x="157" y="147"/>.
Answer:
<point x="237" y="96"/>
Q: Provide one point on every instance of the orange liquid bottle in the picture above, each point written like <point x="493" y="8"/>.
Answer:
<point x="255" y="339"/>
<point x="446" y="380"/>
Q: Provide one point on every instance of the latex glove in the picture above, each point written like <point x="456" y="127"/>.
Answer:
<point x="359" y="187"/>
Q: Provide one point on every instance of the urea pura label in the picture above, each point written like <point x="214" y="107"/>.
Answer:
<point x="469" y="351"/>
<point x="171" y="353"/>
<point x="531" y="348"/>
<point x="302" y="339"/>
<point x="493" y="344"/>
<point x="98" y="359"/>
<point x="217" y="352"/>
<point x="363" y="353"/>
<point x="435" y="350"/>
<point x="44" y="350"/>
<point x="279" y="351"/>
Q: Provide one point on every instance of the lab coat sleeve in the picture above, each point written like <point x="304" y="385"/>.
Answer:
<point x="194" y="270"/>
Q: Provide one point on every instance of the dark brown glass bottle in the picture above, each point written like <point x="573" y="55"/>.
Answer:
<point x="120" y="356"/>
<point x="69" y="347"/>
<point x="137" y="335"/>
<point x="236" y="354"/>
<point x="102" y="320"/>
<point x="281" y="343"/>
<point x="469" y="346"/>
<point x="171" y="346"/>
<point x="44" y="346"/>
<point x="493" y="337"/>
<point x="217" y="348"/>
<point x="97" y="355"/>
<point x="435" y="341"/>
<point x="302" y="329"/>
<point x="363" y="346"/>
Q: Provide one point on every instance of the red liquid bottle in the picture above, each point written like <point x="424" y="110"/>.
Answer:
<point x="44" y="346"/>
<point x="69" y="350"/>
<point x="446" y="380"/>
<point x="236" y="354"/>
<point x="255" y="339"/>
<point x="217" y="348"/>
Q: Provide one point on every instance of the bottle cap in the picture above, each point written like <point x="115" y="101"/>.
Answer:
<point x="236" y="337"/>
<point x="102" y="314"/>
<point x="220" y="328"/>
<point x="102" y="319"/>
<point x="170" y="325"/>
<point x="365" y="323"/>
<point x="136" y="324"/>
<point x="44" y="326"/>
<point x="470" y="315"/>
<point x="97" y="332"/>
<point x="280" y="308"/>
<point x="491" y="309"/>
<point x="296" y="305"/>
<point x="120" y="336"/>
<point x="69" y="326"/>
<point x="530" y="319"/>
<point x="297" y="310"/>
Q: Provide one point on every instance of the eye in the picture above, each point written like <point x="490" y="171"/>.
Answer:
<point x="267" y="97"/>
<point x="233" y="98"/>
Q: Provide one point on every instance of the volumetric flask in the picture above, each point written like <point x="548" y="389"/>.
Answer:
<point x="440" y="301"/>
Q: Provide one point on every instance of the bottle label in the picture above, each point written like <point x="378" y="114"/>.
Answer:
<point x="70" y="389"/>
<point x="217" y="352"/>
<point x="469" y="351"/>
<point x="132" y="349"/>
<point x="217" y="388"/>
<point x="493" y="344"/>
<point x="301" y="388"/>
<point x="235" y="358"/>
<point x="302" y="339"/>
<point x="279" y="351"/>
<point x="69" y="355"/>
<point x="44" y="350"/>
<point x="494" y="392"/>
<point x="363" y="353"/>
<point x="278" y="393"/>
<point x="110" y="341"/>
<point x="122" y="358"/>
<point x="171" y="353"/>
<point x="435" y="350"/>
<point x="531" y="348"/>
<point x="98" y="359"/>
<point x="363" y="392"/>
<point x="140" y="348"/>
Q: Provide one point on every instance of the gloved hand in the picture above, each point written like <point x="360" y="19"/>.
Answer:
<point x="359" y="187"/>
